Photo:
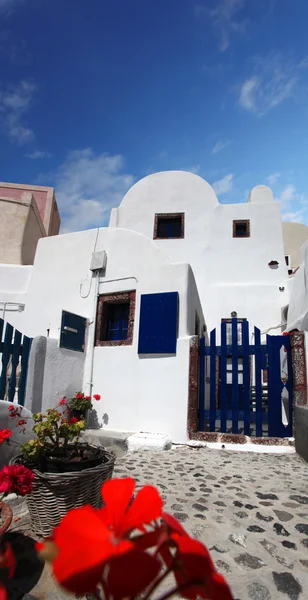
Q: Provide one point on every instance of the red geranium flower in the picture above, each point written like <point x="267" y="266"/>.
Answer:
<point x="62" y="401"/>
<point x="16" y="479"/>
<point x="96" y="397"/>
<point x="79" y="395"/>
<point x="104" y="533"/>
<point x="72" y="421"/>
<point x="122" y="515"/>
<point x="88" y="397"/>
<point x="77" y="570"/>
<point x="8" y="561"/>
<point x="22" y="422"/>
<point x="5" y="434"/>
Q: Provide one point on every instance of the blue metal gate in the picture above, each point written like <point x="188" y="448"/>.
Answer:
<point x="15" y="351"/>
<point x="245" y="386"/>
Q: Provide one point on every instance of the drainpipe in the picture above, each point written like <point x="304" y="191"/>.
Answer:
<point x="92" y="325"/>
<point x="91" y="335"/>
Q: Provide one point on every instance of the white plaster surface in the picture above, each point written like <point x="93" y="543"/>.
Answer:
<point x="53" y="373"/>
<point x="298" y="307"/>
<point x="232" y="274"/>
<point x="156" y="442"/>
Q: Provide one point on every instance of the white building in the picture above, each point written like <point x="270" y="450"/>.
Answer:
<point x="175" y="259"/>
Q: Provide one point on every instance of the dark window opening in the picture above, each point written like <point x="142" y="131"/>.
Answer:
<point x="169" y="226"/>
<point x="116" y="322"/>
<point x="241" y="229"/>
<point x="287" y="259"/>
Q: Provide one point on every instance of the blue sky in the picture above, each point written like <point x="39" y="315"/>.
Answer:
<point x="95" y="95"/>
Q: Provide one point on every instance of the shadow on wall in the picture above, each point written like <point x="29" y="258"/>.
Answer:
<point x="53" y="373"/>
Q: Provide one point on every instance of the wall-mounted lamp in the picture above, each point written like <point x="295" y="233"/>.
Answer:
<point x="234" y="314"/>
<point x="281" y="288"/>
<point x="273" y="264"/>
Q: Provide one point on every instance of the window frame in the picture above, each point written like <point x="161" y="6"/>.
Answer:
<point x="169" y="216"/>
<point x="102" y="315"/>
<point x="245" y="222"/>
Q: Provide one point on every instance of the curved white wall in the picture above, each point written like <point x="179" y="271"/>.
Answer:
<point x="232" y="274"/>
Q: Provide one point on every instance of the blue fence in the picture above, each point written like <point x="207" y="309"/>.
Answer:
<point x="246" y="387"/>
<point x="14" y="352"/>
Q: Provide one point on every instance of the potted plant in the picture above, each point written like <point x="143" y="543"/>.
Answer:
<point x="68" y="473"/>
<point x="80" y="404"/>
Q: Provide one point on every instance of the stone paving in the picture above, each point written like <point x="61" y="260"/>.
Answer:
<point x="251" y="510"/>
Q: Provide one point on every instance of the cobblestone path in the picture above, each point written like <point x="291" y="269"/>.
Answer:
<point x="251" y="510"/>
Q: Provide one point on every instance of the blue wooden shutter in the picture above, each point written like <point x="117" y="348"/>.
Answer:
<point x="73" y="329"/>
<point x="158" y="323"/>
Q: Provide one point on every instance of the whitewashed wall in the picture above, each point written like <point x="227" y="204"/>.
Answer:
<point x="138" y="393"/>
<point x="232" y="274"/>
<point x="298" y="307"/>
<point x="14" y="282"/>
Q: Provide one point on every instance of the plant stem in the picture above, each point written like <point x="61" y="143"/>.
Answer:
<point x="178" y="589"/>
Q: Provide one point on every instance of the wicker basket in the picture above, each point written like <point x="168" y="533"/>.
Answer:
<point x="55" y="493"/>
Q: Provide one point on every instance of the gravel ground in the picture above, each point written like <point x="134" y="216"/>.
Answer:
<point x="251" y="510"/>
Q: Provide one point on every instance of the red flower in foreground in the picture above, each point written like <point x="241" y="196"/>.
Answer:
<point x="122" y="515"/>
<point x="96" y="397"/>
<point x="72" y="421"/>
<point x="81" y="545"/>
<point x="16" y="479"/>
<point x="5" y="434"/>
<point x="104" y="535"/>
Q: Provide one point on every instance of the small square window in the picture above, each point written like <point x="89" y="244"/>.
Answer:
<point x="115" y="319"/>
<point x="169" y="226"/>
<point x="241" y="229"/>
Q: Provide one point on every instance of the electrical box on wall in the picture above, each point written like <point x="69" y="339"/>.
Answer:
<point x="98" y="261"/>
<point x="73" y="331"/>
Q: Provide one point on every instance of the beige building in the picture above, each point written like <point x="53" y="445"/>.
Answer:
<point x="294" y="236"/>
<point x="27" y="213"/>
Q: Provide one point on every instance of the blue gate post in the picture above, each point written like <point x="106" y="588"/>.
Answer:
<point x="223" y="378"/>
<point x="258" y="381"/>
<point x="235" y="398"/>
<point x="202" y="384"/>
<point x="246" y="376"/>
<point x="213" y="380"/>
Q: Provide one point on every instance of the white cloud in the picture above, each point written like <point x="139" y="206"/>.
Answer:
<point x="38" y="154"/>
<point x="14" y="102"/>
<point x="226" y="20"/>
<point x="224" y="185"/>
<point x="287" y="194"/>
<point x="87" y="186"/>
<point x="7" y="6"/>
<point x="220" y="145"/>
<point x="272" y="178"/>
<point x="192" y="169"/>
<point x="293" y="205"/>
<point x="272" y="82"/>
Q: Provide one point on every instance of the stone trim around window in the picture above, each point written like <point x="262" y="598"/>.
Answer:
<point x="101" y="319"/>
<point x="241" y="222"/>
<point x="169" y="216"/>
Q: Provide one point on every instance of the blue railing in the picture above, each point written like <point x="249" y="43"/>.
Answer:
<point x="14" y="353"/>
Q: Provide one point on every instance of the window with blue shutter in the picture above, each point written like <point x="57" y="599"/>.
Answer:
<point x="158" y="326"/>
<point x="117" y="321"/>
